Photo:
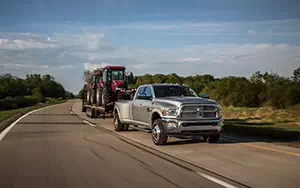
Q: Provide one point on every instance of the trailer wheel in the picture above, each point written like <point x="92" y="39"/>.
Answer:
<point x="83" y="109"/>
<point x="117" y="123"/>
<point x="93" y="113"/>
<point x="126" y="127"/>
<point x="88" y="112"/>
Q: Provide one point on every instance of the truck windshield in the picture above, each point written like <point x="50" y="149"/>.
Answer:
<point x="170" y="91"/>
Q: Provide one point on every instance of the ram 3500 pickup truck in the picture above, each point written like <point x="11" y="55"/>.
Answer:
<point x="169" y="110"/>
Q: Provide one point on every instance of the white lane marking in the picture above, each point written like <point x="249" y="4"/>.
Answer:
<point x="89" y="123"/>
<point x="216" y="180"/>
<point x="5" y="131"/>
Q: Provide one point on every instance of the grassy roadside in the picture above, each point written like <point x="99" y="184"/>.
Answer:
<point x="267" y="122"/>
<point x="9" y="116"/>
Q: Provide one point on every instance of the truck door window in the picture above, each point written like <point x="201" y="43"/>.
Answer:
<point x="148" y="92"/>
<point x="140" y="92"/>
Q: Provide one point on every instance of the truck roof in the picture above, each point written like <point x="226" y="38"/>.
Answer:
<point x="114" y="67"/>
<point x="164" y="84"/>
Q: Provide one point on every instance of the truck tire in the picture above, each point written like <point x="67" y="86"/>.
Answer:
<point x="158" y="134"/>
<point x="99" y="96"/>
<point x="126" y="127"/>
<point x="213" y="139"/>
<point x="118" y="126"/>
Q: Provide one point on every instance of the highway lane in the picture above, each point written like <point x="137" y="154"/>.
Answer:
<point x="257" y="164"/>
<point x="53" y="148"/>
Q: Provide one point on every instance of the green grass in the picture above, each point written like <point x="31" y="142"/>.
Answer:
<point x="263" y="121"/>
<point x="12" y="115"/>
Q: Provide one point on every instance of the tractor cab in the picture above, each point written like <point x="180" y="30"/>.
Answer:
<point x="116" y="78"/>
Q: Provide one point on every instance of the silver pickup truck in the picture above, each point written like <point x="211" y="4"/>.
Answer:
<point x="169" y="110"/>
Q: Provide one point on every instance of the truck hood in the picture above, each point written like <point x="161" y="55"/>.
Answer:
<point x="177" y="101"/>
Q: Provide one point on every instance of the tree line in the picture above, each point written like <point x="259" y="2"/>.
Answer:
<point x="261" y="89"/>
<point x="17" y="92"/>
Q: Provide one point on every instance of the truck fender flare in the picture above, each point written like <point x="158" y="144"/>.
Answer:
<point x="116" y="108"/>
<point x="155" y="111"/>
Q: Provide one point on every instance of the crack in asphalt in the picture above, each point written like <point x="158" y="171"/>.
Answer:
<point x="142" y="163"/>
<point x="97" y="155"/>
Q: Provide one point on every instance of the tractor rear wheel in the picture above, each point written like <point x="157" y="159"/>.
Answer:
<point x="93" y="96"/>
<point x="98" y="96"/>
<point x="106" y="96"/>
<point x="88" y="96"/>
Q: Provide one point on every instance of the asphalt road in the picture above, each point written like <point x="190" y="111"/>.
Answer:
<point x="256" y="163"/>
<point x="53" y="148"/>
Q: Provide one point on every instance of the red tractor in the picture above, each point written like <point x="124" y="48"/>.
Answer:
<point x="109" y="85"/>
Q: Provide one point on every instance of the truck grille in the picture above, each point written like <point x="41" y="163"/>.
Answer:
<point x="194" y="112"/>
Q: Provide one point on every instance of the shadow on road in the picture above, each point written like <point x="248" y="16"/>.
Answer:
<point x="51" y="114"/>
<point x="48" y="123"/>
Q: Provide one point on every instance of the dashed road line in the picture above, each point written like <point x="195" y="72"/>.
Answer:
<point x="216" y="180"/>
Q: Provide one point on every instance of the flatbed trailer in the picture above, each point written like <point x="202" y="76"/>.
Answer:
<point x="93" y="111"/>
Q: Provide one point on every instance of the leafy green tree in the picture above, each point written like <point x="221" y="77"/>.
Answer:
<point x="296" y="76"/>
<point x="37" y="94"/>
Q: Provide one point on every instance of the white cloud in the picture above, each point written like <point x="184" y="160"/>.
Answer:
<point x="218" y="61"/>
<point x="251" y="32"/>
<point x="63" y="55"/>
<point x="93" y="66"/>
<point x="190" y="59"/>
<point x="23" y="44"/>
<point x="267" y="27"/>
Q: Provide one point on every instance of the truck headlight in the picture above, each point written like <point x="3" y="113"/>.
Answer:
<point x="219" y="112"/>
<point x="170" y="112"/>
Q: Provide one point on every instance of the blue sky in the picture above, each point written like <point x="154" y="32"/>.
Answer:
<point x="233" y="37"/>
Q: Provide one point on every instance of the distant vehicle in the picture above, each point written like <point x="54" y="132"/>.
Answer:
<point x="108" y="85"/>
<point x="169" y="110"/>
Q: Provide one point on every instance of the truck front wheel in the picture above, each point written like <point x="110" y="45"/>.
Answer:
<point x="213" y="139"/>
<point x="159" y="136"/>
<point x="117" y="123"/>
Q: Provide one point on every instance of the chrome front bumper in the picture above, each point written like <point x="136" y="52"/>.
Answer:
<point x="200" y="127"/>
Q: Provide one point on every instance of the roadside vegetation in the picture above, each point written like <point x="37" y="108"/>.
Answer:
<point x="19" y="96"/>
<point x="6" y="114"/>
<point x="34" y="89"/>
<point x="264" y="104"/>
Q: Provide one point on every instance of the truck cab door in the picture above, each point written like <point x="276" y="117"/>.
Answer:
<point x="136" y="104"/>
<point x="146" y="107"/>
